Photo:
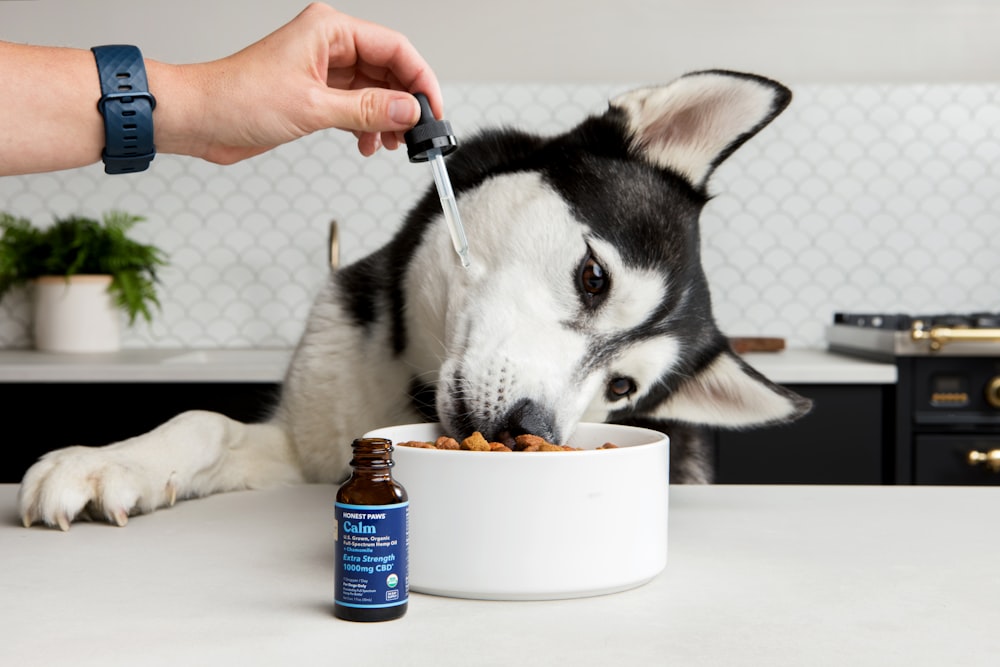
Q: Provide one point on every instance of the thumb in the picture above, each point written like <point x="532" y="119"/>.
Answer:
<point x="373" y="110"/>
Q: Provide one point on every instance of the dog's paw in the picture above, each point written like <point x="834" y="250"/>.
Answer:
<point x="89" y="482"/>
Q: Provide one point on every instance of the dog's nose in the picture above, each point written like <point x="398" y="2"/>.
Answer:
<point x="527" y="416"/>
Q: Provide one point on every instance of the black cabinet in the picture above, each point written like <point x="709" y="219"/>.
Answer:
<point x="42" y="416"/>
<point x="846" y="439"/>
<point x="842" y="441"/>
<point x="957" y="458"/>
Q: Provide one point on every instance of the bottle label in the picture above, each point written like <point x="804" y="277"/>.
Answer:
<point x="372" y="554"/>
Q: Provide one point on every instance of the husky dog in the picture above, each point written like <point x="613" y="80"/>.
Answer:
<point x="585" y="301"/>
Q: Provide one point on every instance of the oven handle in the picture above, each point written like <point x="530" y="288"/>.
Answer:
<point x="938" y="336"/>
<point x="990" y="459"/>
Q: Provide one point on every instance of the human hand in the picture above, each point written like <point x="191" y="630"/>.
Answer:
<point x="324" y="69"/>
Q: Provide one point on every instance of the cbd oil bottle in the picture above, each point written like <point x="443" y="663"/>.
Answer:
<point x="372" y="533"/>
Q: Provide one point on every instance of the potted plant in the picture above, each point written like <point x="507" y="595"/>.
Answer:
<point x="85" y="273"/>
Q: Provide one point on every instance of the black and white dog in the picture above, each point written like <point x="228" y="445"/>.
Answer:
<point x="586" y="301"/>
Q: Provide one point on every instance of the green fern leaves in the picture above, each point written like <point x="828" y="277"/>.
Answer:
<point x="78" y="245"/>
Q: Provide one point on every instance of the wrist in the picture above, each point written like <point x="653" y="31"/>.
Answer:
<point x="178" y="117"/>
<point x="126" y="105"/>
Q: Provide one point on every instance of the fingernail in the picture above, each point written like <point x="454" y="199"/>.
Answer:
<point x="401" y="111"/>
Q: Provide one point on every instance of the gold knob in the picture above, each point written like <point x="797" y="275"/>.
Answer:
<point x="993" y="392"/>
<point x="990" y="459"/>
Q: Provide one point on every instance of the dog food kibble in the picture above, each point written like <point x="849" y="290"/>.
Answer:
<point x="477" y="443"/>
<point x="444" y="442"/>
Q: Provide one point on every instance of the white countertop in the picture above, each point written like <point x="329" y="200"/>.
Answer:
<point x="792" y="366"/>
<point x="783" y="575"/>
<point x="148" y="365"/>
<point x="811" y="366"/>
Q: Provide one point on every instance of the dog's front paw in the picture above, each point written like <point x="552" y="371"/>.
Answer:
<point x="90" y="482"/>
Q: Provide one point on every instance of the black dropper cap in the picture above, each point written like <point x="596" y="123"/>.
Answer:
<point x="428" y="133"/>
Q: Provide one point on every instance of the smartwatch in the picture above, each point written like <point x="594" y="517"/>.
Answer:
<point x="127" y="107"/>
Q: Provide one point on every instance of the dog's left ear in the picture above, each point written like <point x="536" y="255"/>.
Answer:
<point x="730" y="393"/>
<point x="692" y="125"/>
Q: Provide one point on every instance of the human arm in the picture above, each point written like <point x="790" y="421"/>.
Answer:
<point x="324" y="69"/>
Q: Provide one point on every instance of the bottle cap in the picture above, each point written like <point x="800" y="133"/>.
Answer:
<point x="428" y="133"/>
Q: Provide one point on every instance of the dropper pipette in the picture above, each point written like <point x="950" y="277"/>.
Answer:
<point x="429" y="141"/>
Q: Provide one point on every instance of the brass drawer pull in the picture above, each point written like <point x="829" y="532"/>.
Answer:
<point x="993" y="392"/>
<point x="990" y="459"/>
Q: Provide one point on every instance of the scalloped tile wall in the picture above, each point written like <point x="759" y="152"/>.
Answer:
<point x="858" y="197"/>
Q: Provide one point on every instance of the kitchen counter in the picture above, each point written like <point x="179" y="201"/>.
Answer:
<point x="147" y="365"/>
<point x="812" y="366"/>
<point x="792" y="366"/>
<point x="757" y="575"/>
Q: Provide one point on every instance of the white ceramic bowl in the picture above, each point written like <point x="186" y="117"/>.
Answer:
<point x="535" y="526"/>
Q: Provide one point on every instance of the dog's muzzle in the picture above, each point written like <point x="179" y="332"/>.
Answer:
<point x="526" y="417"/>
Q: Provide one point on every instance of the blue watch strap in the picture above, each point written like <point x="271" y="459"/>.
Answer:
<point x="127" y="107"/>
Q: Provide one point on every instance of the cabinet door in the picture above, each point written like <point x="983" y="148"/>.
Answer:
<point x="41" y="416"/>
<point x="842" y="441"/>
<point x="945" y="459"/>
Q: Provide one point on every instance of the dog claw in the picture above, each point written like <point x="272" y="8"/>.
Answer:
<point x="120" y="517"/>
<point x="62" y="521"/>
<point x="171" y="492"/>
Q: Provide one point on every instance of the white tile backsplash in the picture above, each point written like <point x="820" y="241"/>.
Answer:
<point x="869" y="197"/>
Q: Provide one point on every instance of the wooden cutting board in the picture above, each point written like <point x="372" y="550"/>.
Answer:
<point x="745" y="344"/>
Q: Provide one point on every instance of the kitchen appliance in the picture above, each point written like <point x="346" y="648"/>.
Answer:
<point x="947" y="396"/>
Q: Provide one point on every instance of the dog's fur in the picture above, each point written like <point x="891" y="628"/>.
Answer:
<point x="586" y="300"/>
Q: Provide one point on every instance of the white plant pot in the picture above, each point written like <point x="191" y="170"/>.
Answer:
<point x="76" y="315"/>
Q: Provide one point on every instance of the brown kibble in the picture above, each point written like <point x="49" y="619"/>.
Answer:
<point x="476" y="443"/>
<point x="418" y="444"/>
<point x="444" y="442"/>
<point x="524" y="442"/>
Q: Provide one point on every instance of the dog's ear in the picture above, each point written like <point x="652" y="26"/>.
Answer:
<point x="692" y="125"/>
<point x="731" y="394"/>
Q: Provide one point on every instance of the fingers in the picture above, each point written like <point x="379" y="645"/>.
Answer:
<point x="371" y="110"/>
<point x="378" y="53"/>
<point x="322" y="70"/>
<point x="370" y="142"/>
<point x="392" y="140"/>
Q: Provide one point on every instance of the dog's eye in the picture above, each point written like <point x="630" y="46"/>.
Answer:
<point x="593" y="280"/>
<point x="619" y="388"/>
<point x="592" y="277"/>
